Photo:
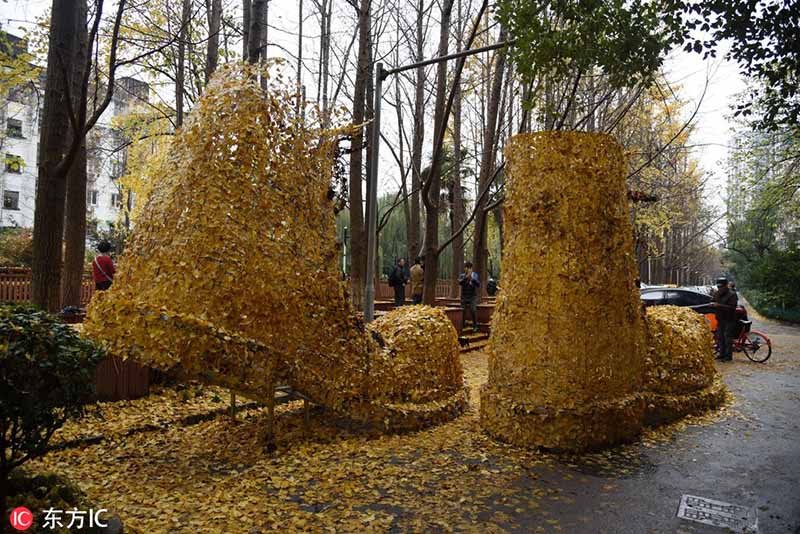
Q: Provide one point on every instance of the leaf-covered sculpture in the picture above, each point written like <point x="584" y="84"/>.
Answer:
<point x="232" y="272"/>
<point x="568" y="364"/>
<point x="680" y="377"/>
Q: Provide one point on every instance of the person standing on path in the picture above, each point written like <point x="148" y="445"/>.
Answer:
<point x="103" y="267"/>
<point x="397" y="280"/>
<point x="469" y="282"/>
<point x="417" y="281"/>
<point x="724" y="302"/>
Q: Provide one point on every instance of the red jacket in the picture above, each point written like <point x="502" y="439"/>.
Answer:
<point x="103" y="269"/>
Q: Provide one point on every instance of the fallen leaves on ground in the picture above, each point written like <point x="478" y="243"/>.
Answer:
<point x="163" y="407"/>
<point x="216" y="476"/>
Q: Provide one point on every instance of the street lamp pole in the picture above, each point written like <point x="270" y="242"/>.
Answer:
<point x="372" y="197"/>
<point x="344" y="252"/>
<point x="372" y="178"/>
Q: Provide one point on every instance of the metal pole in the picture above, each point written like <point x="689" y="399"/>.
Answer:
<point x="467" y="52"/>
<point x="372" y="199"/>
<point x="344" y="253"/>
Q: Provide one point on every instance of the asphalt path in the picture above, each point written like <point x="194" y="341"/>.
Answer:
<point x="749" y="457"/>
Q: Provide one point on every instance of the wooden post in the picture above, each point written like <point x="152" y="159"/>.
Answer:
<point x="233" y="404"/>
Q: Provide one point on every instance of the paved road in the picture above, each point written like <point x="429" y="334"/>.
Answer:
<point x="751" y="457"/>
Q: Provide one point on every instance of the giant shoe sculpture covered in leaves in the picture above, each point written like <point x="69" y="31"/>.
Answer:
<point x="573" y="362"/>
<point x="231" y="273"/>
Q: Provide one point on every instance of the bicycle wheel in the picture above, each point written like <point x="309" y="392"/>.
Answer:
<point x="757" y="346"/>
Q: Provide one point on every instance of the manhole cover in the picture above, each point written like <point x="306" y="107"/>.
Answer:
<point x="719" y="514"/>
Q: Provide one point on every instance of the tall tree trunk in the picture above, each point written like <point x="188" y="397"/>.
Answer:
<point x="263" y="34"/>
<point x="590" y="126"/>
<point x="550" y="110"/>
<point x="432" y="191"/>
<point x="411" y="254"/>
<point x="479" y="250"/>
<point x="325" y="43"/>
<point x="358" y="241"/>
<point x="458" y="214"/>
<point x="48" y="226"/>
<point x="299" y="57"/>
<point x="509" y="104"/>
<point x="75" y="230"/>
<point x="246" y="9"/>
<point x="499" y="220"/>
<point x="75" y="223"/>
<point x="180" y="75"/>
<point x="525" y="120"/>
<point x="212" y="50"/>
<point x="419" y="137"/>
<point x="257" y="27"/>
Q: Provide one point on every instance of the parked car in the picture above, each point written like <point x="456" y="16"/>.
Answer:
<point x="677" y="296"/>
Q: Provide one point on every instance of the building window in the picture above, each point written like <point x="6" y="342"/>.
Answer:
<point x="91" y="198"/>
<point x="14" y="128"/>
<point x="14" y="163"/>
<point x="17" y="94"/>
<point x="117" y="169"/>
<point x="116" y="200"/>
<point x="11" y="200"/>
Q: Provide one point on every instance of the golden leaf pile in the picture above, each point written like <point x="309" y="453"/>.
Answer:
<point x="680" y="377"/>
<point x="567" y="355"/>
<point x="231" y="273"/>
<point x="421" y="338"/>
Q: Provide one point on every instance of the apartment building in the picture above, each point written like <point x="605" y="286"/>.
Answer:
<point x="20" y="123"/>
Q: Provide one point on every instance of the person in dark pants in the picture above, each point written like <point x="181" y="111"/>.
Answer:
<point x="417" y="281"/>
<point x="397" y="280"/>
<point x="724" y="302"/>
<point x="469" y="282"/>
<point x="103" y="267"/>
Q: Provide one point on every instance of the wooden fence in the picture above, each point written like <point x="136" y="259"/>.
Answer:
<point x="117" y="379"/>
<point x="15" y="286"/>
<point x="384" y="292"/>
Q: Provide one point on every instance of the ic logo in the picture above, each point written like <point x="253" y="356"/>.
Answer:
<point x="21" y="518"/>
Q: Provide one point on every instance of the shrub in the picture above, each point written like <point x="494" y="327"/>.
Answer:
<point x="46" y="377"/>
<point x="16" y="247"/>
<point x="772" y="305"/>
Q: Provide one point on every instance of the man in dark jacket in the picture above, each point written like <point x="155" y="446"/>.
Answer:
<point x="724" y="302"/>
<point x="397" y="280"/>
<point x="469" y="282"/>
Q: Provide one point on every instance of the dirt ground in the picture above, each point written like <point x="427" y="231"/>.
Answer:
<point x="215" y="476"/>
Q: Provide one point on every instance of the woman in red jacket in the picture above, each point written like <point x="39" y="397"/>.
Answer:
<point x="103" y="267"/>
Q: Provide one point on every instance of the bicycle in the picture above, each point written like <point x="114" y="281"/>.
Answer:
<point x="755" y="345"/>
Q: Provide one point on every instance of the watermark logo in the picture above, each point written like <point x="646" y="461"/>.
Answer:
<point x="54" y="518"/>
<point x="21" y="518"/>
<point x="73" y="519"/>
